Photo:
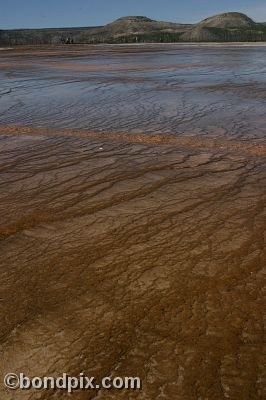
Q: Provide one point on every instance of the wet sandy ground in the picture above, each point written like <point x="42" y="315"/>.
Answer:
<point x="137" y="250"/>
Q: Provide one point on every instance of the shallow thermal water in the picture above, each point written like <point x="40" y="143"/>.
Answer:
<point x="182" y="90"/>
<point x="132" y="210"/>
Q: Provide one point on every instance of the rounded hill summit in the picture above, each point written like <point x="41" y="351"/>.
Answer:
<point x="228" y="20"/>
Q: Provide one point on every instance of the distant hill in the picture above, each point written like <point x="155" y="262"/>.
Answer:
<point x="226" y="27"/>
<point x="228" y="21"/>
<point x="135" y="25"/>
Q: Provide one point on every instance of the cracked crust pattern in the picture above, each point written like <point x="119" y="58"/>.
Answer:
<point x="128" y="257"/>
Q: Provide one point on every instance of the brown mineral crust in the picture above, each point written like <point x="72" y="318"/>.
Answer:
<point x="139" y="259"/>
<point x="132" y="221"/>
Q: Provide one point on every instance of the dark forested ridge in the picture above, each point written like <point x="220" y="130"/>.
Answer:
<point x="227" y="27"/>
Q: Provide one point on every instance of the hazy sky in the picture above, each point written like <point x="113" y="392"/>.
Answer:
<point x="60" y="13"/>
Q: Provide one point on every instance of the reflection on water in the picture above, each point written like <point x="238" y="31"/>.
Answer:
<point x="132" y="209"/>
<point x="175" y="90"/>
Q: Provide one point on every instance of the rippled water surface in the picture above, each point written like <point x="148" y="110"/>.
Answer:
<point x="167" y="90"/>
<point x="132" y="218"/>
